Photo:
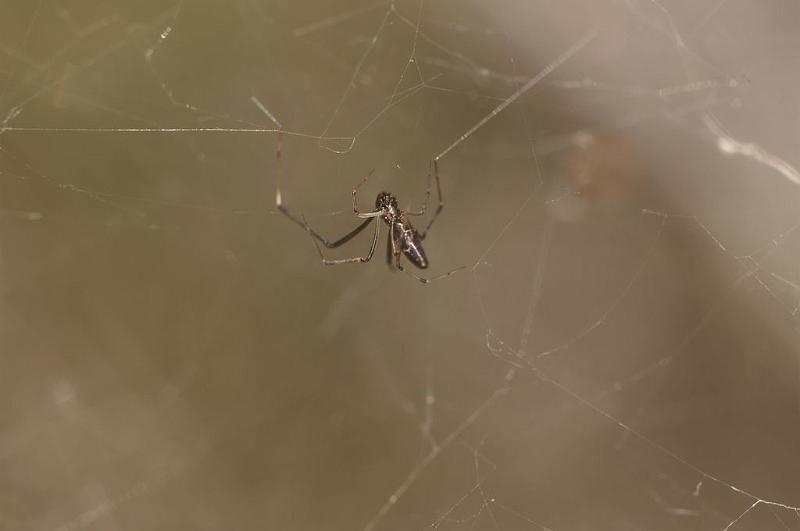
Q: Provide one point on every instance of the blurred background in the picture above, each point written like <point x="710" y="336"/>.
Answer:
<point x="619" y="351"/>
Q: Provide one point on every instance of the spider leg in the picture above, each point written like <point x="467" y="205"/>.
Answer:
<point x="359" y="259"/>
<point x="394" y="240"/>
<point x="389" y="254"/>
<point x="302" y="222"/>
<point x="374" y="213"/>
<point x="427" y="196"/>
<point x="428" y="280"/>
<point x="435" y="165"/>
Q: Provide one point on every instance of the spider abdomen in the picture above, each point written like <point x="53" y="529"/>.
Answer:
<point x="411" y="245"/>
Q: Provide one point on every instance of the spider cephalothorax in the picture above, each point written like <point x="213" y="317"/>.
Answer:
<point x="385" y="200"/>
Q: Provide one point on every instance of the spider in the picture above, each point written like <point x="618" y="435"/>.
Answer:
<point x="403" y="238"/>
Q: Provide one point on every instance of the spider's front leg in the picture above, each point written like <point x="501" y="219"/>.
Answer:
<point x="356" y="211"/>
<point x="300" y="220"/>
<point x="361" y="259"/>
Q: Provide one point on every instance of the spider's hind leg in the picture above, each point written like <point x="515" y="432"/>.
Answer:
<point x="428" y="280"/>
<point x="435" y="165"/>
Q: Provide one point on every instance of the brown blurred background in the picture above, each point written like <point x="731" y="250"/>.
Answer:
<point x="619" y="353"/>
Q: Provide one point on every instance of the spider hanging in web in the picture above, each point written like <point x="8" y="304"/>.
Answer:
<point x="403" y="240"/>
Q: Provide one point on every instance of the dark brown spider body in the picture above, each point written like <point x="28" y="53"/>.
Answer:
<point x="410" y="242"/>
<point x="387" y="203"/>
<point x="404" y="237"/>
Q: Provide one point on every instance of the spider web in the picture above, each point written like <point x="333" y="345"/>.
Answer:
<point x="619" y="186"/>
